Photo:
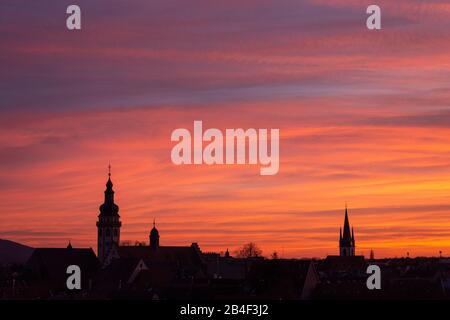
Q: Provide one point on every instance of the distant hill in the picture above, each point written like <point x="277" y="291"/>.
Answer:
<point x="13" y="252"/>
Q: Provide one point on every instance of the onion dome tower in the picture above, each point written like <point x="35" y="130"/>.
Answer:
<point x="154" y="237"/>
<point x="108" y="224"/>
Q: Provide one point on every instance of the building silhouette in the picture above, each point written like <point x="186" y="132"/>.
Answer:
<point x="108" y="224"/>
<point x="156" y="271"/>
<point x="46" y="271"/>
<point x="154" y="237"/>
<point x="346" y="240"/>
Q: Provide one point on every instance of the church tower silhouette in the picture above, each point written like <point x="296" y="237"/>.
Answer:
<point x="108" y="224"/>
<point x="154" y="237"/>
<point x="346" y="240"/>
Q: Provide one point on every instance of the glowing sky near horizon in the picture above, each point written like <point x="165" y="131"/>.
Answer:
<point x="364" y="118"/>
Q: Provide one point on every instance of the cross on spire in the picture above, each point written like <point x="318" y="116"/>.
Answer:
<point x="109" y="170"/>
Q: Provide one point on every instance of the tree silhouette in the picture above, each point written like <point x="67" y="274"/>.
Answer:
<point x="249" y="250"/>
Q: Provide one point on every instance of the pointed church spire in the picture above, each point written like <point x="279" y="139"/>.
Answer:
<point x="347" y="237"/>
<point x="347" y="234"/>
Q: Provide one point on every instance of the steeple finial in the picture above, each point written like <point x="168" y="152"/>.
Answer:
<point x="154" y="222"/>
<point x="109" y="170"/>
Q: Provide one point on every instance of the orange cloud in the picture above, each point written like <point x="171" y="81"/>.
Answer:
<point x="393" y="178"/>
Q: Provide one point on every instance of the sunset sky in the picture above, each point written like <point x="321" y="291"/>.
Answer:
<point x="364" y="118"/>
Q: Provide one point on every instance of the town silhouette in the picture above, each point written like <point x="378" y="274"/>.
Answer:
<point x="159" y="272"/>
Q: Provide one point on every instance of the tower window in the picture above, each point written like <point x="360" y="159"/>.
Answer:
<point x="108" y="233"/>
